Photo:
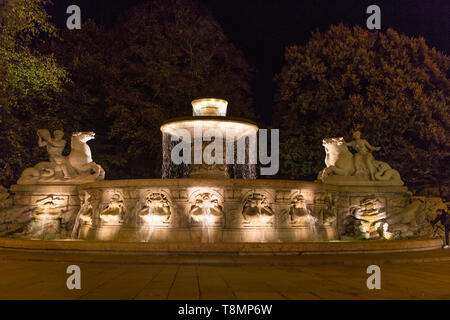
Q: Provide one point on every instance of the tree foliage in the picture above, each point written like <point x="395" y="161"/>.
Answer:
<point x="29" y="82"/>
<point x="394" y="88"/>
<point x="146" y="69"/>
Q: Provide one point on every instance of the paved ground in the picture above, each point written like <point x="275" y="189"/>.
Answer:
<point x="37" y="275"/>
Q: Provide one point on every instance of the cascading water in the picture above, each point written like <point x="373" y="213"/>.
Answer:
<point x="76" y="225"/>
<point x="245" y="170"/>
<point x="150" y="224"/>
<point x="169" y="169"/>
<point x="137" y="219"/>
<point x="209" y="126"/>
<point x="205" y="223"/>
<point x="147" y="228"/>
<point x="44" y="225"/>
<point x="263" y="230"/>
<point x="311" y="220"/>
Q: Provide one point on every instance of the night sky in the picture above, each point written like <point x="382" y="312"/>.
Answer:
<point x="262" y="29"/>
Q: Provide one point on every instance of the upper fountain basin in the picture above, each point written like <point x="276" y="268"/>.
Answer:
<point x="227" y="126"/>
<point x="209" y="107"/>
<point x="210" y="114"/>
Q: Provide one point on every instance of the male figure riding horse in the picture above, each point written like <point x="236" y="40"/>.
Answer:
<point x="55" y="147"/>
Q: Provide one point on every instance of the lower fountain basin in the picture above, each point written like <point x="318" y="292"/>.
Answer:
<point x="170" y="210"/>
<point x="196" y="248"/>
<point x="194" y="210"/>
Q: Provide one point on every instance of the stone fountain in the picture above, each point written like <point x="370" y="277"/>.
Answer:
<point x="354" y="197"/>
<point x="209" y="119"/>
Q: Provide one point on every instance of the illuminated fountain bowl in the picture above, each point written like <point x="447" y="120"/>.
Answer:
<point x="232" y="236"/>
<point x="208" y="114"/>
<point x="210" y="123"/>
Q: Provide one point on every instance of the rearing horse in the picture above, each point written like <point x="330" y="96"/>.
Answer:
<point x="80" y="157"/>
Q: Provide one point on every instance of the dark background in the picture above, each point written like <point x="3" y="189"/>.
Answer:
<point x="263" y="28"/>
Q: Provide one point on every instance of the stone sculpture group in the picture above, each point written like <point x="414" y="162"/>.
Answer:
<point x="355" y="197"/>
<point x="77" y="167"/>
<point x="355" y="168"/>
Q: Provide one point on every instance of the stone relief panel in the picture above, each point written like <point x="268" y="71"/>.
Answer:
<point x="257" y="210"/>
<point x="325" y="208"/>
<point x="112" y="210"/>
<point x="413" y="219"/>
<point x="49" y="207"/>
<point x="367" y="219"/>
<point x="299" y="214"/>
<point x="206" y="209"/>
<point x="46" y="216"/>
<point x="281" y="208"/>
<point x="155" y="209"/>
<point x="86" y="213"/>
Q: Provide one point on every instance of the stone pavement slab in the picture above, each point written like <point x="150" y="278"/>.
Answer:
<point x="42" y="275"/>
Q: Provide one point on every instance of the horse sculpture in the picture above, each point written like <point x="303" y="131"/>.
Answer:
<point x="340" y="162"/>
<point x="77" y="167"/>
<point x="80" y="157"/>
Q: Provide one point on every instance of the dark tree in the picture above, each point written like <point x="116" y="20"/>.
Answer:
<point x="128" y="79"/>
<point x="395" y="89"/>
<point x="29" y="84"/>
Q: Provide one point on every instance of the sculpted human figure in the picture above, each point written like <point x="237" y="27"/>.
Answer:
<point x="75" y="168"/>
<point x="363" y="154"/>
<point x="55" y="147"/>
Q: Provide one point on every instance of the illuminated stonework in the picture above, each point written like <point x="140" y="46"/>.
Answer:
<point x="324" y="208"/>
<point x="49" y="207"/>
<point x="369" y="219"/>
<point x="67" y="197"/>
<point x="86" y="209"/>
<point x="155" y="210"/>
<point x="114" y="210"/>
<point x="360" y="168"/>
<point x="208" y="131"/>
<point x="75" y="168"/>
<point x="299" y="213"/>
<point x="206" y="210"/>
<point x="209" y="107"/>
<point x="257" y="211"/>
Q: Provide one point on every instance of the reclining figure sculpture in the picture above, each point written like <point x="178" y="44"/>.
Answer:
<point x="358" y="167"/>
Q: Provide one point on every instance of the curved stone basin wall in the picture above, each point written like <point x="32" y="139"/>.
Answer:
<point x="239" y="210"/>
<point x="216" y="210"/>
